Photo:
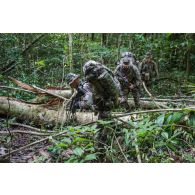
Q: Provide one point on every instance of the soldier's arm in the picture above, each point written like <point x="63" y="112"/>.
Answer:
<point x="118" y="74"/>
<point x="137" y="76"/>
<point x="141" y="66"/>
<point x="87" y="101"/>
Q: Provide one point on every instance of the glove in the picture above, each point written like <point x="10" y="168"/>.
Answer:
<point x="74" y="107"/>
<point x="131" y="86"/>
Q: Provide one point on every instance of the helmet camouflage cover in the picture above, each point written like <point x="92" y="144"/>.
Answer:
<point x="71" y="77"/>
<point x="126" y="54"/>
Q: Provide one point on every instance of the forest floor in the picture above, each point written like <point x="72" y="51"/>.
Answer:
<point x="19" y="140"/>
<point x="151" y="138"/>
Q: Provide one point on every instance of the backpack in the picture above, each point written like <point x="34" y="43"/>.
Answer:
<point x="102" y="80"/>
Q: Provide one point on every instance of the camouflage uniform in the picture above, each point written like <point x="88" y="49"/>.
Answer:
<point x="105" y="87"/>
<point x="128" y="75"/>
<point x="83" y="98"/>
<point x="148" y="69"/>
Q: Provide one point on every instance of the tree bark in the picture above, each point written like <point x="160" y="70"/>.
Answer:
<point x="42" y="115"/>
<point x="70" y="51"/>
<point x="119" y="45"/>
<point x="104" y="35"/>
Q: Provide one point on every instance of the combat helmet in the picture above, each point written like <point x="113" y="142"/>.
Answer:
<point x="71" y="77"/>
<point x="148" y="54"/>
<point x="127" y="54"/>
<point x="89" y="65"/>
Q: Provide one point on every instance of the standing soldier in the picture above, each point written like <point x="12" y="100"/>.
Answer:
<point x="130" y="81"/>
<point x="105" y="87"/>
<point x="148" y="69"/>
<point x="83" y="97"/>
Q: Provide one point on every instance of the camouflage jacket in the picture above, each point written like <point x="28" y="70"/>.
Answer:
<point x="149" y="67"/>
<point x="130" y="75"/>
<point x="84" y="95"/>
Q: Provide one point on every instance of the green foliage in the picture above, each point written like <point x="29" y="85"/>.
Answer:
<point x="77" y="146"/>
<point x="156" y="138"/>
<point x="159" y="137"/>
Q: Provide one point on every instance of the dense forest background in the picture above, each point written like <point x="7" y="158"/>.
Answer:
<point x="48" y="57"/>
<point x="43" y="60"/>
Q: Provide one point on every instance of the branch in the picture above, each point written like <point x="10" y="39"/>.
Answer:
<point x="24" y="132"/>
<point x="50" y="93"/>
<point x="15" y="88"/>
<point x="121" y="149"/>
<point x="176" y="96"/>
<point x="166" y="100"/>
<point x="153" y="111"/>
<point x="29" y="127"/>
<point x="31" y="144"/>
<point x="151" y="96"/>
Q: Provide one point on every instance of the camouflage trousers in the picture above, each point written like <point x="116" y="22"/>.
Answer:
<point x="124" y="96"/>
<point x="103" y="107"/>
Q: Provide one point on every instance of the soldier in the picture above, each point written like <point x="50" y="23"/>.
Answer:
<point x="131" y="57"/>
<point x="148" y="69"/>
<point x="83" y="97"/>
<point x="130" y="80"/>
<point x="105" y="87"/>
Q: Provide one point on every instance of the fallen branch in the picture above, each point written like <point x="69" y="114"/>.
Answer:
<point x="30" y="127"/>
<point x="121" y="149"/>
<point x="50" y="93"/>
<point x="166" y="100"/>
<point x="14" y="88"/>
<point x="24" y="132"/>
<point x="175" y="96"/>
<point x="31" y="144"/>
<point x="53" y="90"/>
<point x="150" y="95"/>
<point x="153" y="111"/>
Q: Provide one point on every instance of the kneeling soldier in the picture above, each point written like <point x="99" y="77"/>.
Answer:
<point x="83" y="97"/>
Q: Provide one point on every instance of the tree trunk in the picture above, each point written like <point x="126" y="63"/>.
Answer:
<point x="119" y="45"/>
<point x="70" y="51"/>
<point x="93" y="36"/>
<point x="104" y="35"/>
<point x="40" y="115"/>
<point x="45" y="115"/>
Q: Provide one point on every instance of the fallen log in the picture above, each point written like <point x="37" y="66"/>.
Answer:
<point x="40" y="115"/>
<point x="43" y="115"/>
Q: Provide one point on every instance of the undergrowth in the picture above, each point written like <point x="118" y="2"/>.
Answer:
<point x="150" y="138"/>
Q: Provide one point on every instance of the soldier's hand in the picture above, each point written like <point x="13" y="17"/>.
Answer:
<point x="131" y="86"/>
